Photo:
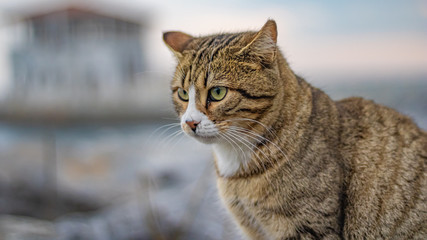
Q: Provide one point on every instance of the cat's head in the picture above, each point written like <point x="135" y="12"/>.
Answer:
<point x="224" y="83"/>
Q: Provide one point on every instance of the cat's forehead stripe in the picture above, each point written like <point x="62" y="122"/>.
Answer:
<point x="188" y="75"/>
<point x="215" y="52"/>
<point x="201" y="51"/>
<point x="207" y="50"/>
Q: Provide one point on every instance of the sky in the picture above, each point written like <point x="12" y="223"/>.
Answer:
<point x="321" y="39"/>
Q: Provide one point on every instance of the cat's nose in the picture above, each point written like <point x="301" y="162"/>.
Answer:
<point x="192" y="124"/>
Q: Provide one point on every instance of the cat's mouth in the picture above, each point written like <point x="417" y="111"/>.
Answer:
<point x="202" y="136"/>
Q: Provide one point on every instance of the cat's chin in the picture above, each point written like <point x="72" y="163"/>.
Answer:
<point x="205" y="139"/>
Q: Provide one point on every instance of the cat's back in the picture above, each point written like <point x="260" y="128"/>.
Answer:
<point x="367" y="125"/>
<point x="386" y="155"/>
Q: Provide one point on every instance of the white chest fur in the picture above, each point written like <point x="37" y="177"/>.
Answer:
<point x="229" y="157"/>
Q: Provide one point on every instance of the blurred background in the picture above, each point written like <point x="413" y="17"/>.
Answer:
<point x="88" y="144"/>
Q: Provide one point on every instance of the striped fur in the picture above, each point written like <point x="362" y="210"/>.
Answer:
<point x="317" y="169"/>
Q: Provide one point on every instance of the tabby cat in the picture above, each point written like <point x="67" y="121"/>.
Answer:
<point x="291" y="163"/>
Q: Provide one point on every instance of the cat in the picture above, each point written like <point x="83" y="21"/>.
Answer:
<point x="291" y="163"/>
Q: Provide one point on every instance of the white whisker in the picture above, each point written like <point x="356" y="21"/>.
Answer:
<point x="170" y="125"/>
<point x="234" y="139"/>
<point x="231" y="143"/>
<point x="172" y="136"/>
<point x="252" y="148"/>
<point x="254" y="121"/>
<point x="181" y="136"/>
<point x="262" y="138"/>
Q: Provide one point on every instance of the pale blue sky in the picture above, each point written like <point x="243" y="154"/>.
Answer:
<point x="343" y="16"/>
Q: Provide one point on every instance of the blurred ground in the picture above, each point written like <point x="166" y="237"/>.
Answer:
<point x="109" y="182"/>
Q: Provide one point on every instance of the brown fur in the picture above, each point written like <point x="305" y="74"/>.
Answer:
<point x="350" y="169"/>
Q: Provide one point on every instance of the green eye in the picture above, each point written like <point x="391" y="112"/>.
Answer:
<point x="182" y="94"/>
<point x="218" y="93"/>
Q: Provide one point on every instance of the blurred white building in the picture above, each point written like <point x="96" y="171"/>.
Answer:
<point x="76" y="51"/>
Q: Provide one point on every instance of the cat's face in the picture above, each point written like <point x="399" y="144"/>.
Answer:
<point x="223" y="84"/>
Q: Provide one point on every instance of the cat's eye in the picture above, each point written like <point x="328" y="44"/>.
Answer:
<point x="182" y="94"/>
<point x="217" y="93"/>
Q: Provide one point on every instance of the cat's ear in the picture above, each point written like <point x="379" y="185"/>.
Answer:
<point x="262" y="46"/>
<point x="176" y="42"/>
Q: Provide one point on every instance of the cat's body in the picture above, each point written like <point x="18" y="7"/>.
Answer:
<point x="292" y="163"/>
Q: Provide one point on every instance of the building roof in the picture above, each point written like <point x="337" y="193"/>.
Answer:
<point x="95" y="7"/>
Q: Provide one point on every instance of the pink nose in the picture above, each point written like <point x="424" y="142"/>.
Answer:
<point x="192" y="124"/>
